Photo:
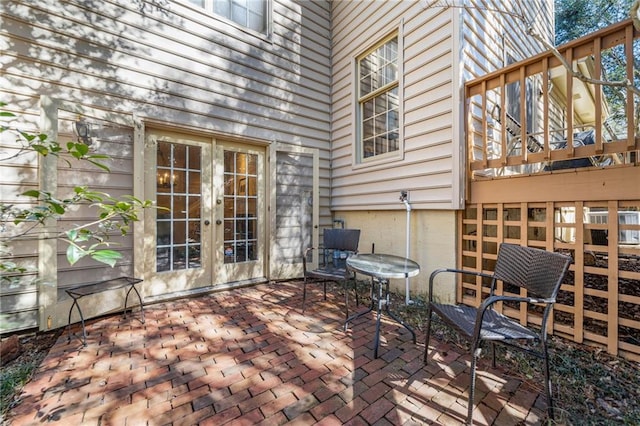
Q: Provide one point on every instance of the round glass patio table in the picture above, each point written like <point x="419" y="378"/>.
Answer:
<point x="381" y="267"/>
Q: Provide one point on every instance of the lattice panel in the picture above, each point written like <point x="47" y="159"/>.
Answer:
<point x="599" y="302"/>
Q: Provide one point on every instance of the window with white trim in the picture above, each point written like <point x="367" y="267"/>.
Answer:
<point x="251" y="14"/>
<point x="378" y="100"/>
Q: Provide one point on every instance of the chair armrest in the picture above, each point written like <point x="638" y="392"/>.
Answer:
<point x="491" y="300"/>
<point x="455" y="271"/>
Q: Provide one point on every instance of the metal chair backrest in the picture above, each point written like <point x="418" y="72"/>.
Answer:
<point x="539" y="271"/>
<point x="341" y="239"/>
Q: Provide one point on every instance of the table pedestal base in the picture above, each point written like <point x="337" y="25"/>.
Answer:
<point x="382" y="300"/>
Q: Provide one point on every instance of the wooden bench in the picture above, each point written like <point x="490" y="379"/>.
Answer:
<point x="77" y="292"/>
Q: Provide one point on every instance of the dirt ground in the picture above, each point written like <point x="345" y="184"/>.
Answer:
<point x="34" y="345"/>
<point x="33" y="348"/>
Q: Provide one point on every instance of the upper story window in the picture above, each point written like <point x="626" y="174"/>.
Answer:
<point x="378" y="100"/>
<point x="251" y="14"/>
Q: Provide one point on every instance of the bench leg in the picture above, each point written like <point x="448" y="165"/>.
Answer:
<point x="84" y="333"/>
<point x="126" y="300"/>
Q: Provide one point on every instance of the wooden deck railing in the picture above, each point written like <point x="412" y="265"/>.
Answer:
<point x="539" y="101"/>
<point x="591" y="211"/>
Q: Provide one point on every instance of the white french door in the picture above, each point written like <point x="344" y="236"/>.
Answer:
<point x="240" y="212"/>
<point x="213" y="218"/>
<point x="178" y="237"/>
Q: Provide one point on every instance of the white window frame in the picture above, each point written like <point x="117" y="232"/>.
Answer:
<point x="361" y="99"/>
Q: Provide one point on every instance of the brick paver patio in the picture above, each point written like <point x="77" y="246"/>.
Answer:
<point x="250" y="356"/>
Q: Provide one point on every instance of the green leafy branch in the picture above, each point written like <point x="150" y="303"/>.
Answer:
<point x="41" y="144"/>
<point x="114" y="214"/>
<point x="87" y="240"/>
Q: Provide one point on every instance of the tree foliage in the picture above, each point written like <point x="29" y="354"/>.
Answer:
<point x="575" y="18"/>
<point x="86" y="240"/>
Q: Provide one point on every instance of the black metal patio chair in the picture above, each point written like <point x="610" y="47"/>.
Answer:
<point x="539" y="272"/>
<point x="337" y="245"/>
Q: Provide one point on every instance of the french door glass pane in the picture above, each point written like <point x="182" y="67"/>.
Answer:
<point x="178" y="189"/>
<point x="240" y="211"/>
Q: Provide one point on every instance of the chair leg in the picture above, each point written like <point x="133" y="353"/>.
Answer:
<point x="472" y="385"/>
<point x="304" y="293"/>
<point x="547" y="379"/>
<point x="324" y="283"/>
<point x="428" y="335"/>
<point x="346" y="299"/>
<point x="493" y="355"/>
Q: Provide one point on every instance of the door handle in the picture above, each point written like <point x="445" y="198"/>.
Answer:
<point x="218" y="222"/>
<point x="207" y="223"/>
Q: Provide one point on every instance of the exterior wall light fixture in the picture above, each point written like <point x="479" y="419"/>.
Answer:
<point x="83" y="130"/>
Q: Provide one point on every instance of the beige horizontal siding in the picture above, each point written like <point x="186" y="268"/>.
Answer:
<point x="117" y="143"/>
<point x="11" y="321"/>
<point x="426" y="96"/>
<point x="433" y="42"/>
<point x="189" y="73"/>
<point x="486" y="33"/>
<point x="18" y="173"/>
<point x="180" y="64"/>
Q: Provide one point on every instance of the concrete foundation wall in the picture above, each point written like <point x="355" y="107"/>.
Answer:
<point x="432" y="243"/>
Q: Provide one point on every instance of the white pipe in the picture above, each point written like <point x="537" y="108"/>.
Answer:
<point x="404" y="197"/>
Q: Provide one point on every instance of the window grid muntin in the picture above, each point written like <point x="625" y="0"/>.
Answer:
<point x="240" y="238"/>
<point x="178" y="188"/>
<point x="378" y="104"/>
<point x="379" y="68"/>
<point x="380" y="124"/>
<point x="250" y="14"/>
